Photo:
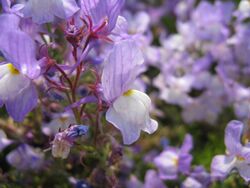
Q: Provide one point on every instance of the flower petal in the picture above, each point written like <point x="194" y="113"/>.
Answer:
<point x="185" y="162"/>
<point x="46" y="10"/>
<point x="23" y="103"/>
<point x="152" y="180"/>
<point x="191" y="183"/>
<point x="19" y="49"/>
<point x="130" y="114"/>
<point x="65" y="8"/>
<point x="120" y="69"/>
<point x="98" y="10"/>
<point x="233" y="134"/>
<point x="11" y="84"/>
<point x="244" y="171"/>
<point x="222" y="165"/>
<point x="187" y="144"/>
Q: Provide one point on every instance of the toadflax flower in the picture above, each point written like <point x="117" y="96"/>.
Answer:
<point x="237" y="156"/>
<point x="129" y="108"/>
<point x="45" y="11"/>
<point x="17" y="91"/>
<point x="174" y="160"/>
<point x="64" y="140"/>
<point x="25" y="157"/>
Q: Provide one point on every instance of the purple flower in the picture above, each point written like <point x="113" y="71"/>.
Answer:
<point x="45" y="11"/>
<point x="17" y="92"/>
<point x="199" y="178"/>
<point x="152" y="180"/>
<point x="129" y="109"/>
<point x="25" y="157"/>
<point x="174" y="160"/>
<point x="237" y="157"/>
<point x="64" y="140"/>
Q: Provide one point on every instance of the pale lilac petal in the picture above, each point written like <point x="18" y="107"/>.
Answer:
<point x="120" y="69"/>
<point x="19" y="49"/>
<point x="152" y="180"/>
<point x="130" y="132"/>
<point x="222" y="165"/>
<point x="8" y="22"/>
<point x="245" y="152"/>
<point x="185" y="163"/>
<point x="244" y="171"/>
<point x="1" y="104"/>
<point x="46" y="10"/>
<point x="25" y="157"/>
<point x="22" y="104"/>
<point x="65" y="8"/>
<point x="191" y="183"/>
<point x="187" y="144"/>
<point x="99" y="10"/>
<point x="6" y="5"/>
<point x="233" y="135"/>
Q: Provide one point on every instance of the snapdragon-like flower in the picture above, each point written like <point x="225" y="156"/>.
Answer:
<point x="174" y="160"/>
<point x="237" y="157"/>
<point x="129" y="108"/>
<point x="26" y="157"/>
<point x="17" y="91"/>
<point x="64" y="140"/>
<point x="45" y="11"/>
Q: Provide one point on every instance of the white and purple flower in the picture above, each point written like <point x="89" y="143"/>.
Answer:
<point x="174" y="160"/>
<point x="237" y="156"/>
<point x="128" y="108"/>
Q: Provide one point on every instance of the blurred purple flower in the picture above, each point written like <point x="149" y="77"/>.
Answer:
<point x="174" y="160"/>
<point x="152" y="180"/>
<point x="199" y="178"/>
<point x="237" y="157"/>
<point x="25" y="158"/>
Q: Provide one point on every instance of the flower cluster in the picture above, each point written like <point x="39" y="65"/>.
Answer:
<point x="85" y="79"/>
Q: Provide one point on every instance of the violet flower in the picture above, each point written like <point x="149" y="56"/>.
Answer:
<point x="25" y="157"/>
<point x="237" y="156"/>
<point x="199" y="178"/>
<point x="128" y="108"/>
<point x="174" y="160"/>
<point x="153" y="180"/>
<point x="17" y="91"/>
